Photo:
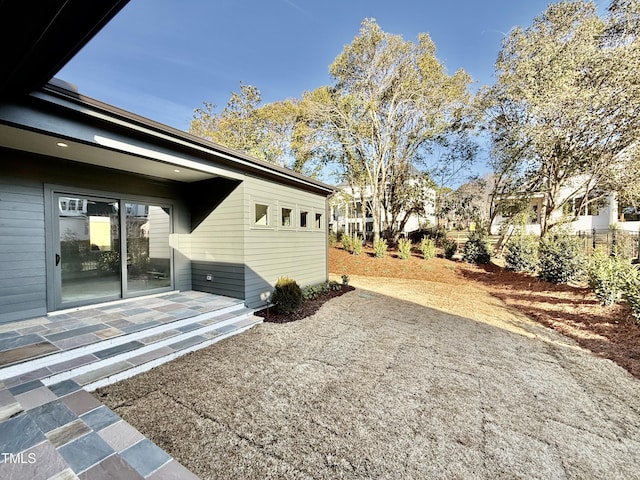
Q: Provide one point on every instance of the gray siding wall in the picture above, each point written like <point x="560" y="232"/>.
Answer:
<point x="275" y="251"/>
<point x="23" y="282"/>
<point x="23" y="279"/>
<point x="217" y="248"/>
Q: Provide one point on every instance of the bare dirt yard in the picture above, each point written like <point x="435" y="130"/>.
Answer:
<point x="572" y="310"/>
<point x="426" y="370"/>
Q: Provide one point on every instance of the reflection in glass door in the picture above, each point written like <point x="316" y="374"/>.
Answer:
<point x="148" y="250"/>
<point x="89" y="251"/>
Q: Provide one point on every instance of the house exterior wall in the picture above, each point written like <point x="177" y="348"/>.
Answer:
<point x="24" y="181"/>
<point x="217" y="248"/>
<point x="274" y="250"/>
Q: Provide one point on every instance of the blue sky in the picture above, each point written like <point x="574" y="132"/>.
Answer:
<point x="162" y="58"/>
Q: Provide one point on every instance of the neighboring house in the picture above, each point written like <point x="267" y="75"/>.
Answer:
<point x="599" y="215"/>
<point x="346" y="212"/>
<point x="99" y="204"/>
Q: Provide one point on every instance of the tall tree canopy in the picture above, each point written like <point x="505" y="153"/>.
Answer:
<point x="263" y="131"/>
<point x="564" y="114"/>
<point x="391" y="99"/>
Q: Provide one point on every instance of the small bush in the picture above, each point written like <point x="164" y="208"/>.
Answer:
<point x="287" y="295"/>
<point x="561" y="258"/>
<point x="428" y="248"/>
<point x="522" y="253"/>
<point x="404" y="249"/>
<point x="380" y="248"/>
<point x="335" y="286"/>
<point x="450" y="247"/>
<point x="345" y="280"/>
<point x="346" y="242"/>
<point x="356" y="245"/>
<point x="607" y="276"/>
<point x="332" y="239"/>
<point x="477" y="249"/>
<point x="631" y="292"/>
<point x="310" y="292"/>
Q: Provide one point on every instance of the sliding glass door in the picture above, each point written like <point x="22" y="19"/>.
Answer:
<point x="109" y="248"/>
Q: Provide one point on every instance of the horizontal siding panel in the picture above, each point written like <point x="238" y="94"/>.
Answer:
<point x="12" y="239"/>
<point x="34" y="296"/>
<point x="12" y="290"/>
<point x="22" y="310"/>
<point x="22" y="272"/>
<point x="22" y="314"/>
<point x="23" y="196"/>
<point x="12" y="229"/>
<point x="26" y="255"/>
<point x="22" y="282"/>
<point x="22" y="216"/>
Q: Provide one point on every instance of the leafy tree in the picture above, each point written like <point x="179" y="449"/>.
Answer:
<point x="263" y="131"/>
<point x="390" y="100"/>
<point x="565" y="105"/>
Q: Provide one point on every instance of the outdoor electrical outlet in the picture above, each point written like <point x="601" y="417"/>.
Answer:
<point x="209" y="277"/>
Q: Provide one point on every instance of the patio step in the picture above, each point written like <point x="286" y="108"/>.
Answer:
<point x="110" y="360"/>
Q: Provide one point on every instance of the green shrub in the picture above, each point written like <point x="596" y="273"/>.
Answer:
<point x="310" y="292"/>
<point x="332" y="239"/>
<point x="607" y="276"/>
<point x="380" y="248"/>
<point x="450" y="247"/>
<point x="287" y="295"/>
<point x="404" y="249"/>
<point x="346" y="242"/>
<point x="428" y="248"/>
<point x="631" y="291"/>
<point x="335" y="286"/>
<point x="356" y="245"/>
<point x="477" y="249"/>
<point x="521" y="253"/>
<point x="345" y="280"/>
<point x="561" y="258"/>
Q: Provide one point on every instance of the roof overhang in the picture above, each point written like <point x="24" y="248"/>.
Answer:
<point x="40" y="37"/>
<point x="100" y="134"/>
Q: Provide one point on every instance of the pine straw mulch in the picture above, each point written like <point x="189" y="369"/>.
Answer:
<point x="572" y="310"/>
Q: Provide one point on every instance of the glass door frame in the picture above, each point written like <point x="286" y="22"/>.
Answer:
<point x="52" y="243"/>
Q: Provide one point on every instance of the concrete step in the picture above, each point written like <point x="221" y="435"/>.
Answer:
<point x="141" y="360"/>
<point x="116" y="358"/>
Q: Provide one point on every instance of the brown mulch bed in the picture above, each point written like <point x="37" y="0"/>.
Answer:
<point x="308" y="308"/>
<point x="572" y="310"/>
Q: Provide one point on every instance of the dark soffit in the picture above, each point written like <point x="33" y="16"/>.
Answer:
<point x="38" y="38"/>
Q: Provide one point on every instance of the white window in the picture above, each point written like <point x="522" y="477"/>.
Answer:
<point x="261" y="215"/>
<point x="286" y="217"/>
<point x="304" y="219"/>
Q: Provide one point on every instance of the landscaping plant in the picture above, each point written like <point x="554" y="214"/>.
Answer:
<point x="561" y="258"/>
<point x="347" y="244"/>
<point x="357" y="244"/>
<point x="521" y="253"/>
<point x="607" y="276"/>
<point x="631" y="291"/>
<point x="404" y="248"/>
<point x="380" y="248"/>
<point x="428" y="248"/>
<point x="450" y="247"/>
<point x="477" y="249"/>
<point x="287" y="295"/>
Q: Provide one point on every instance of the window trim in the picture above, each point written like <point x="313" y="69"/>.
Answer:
<point x="292" y="217"/>
<point x="269" y="221"/>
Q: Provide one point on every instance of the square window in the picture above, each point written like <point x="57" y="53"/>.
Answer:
<point x="304" y="219"/>
<point x="318" y="221"/>
<point x="261" y="215"/>
<point x="286" y="217"/>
